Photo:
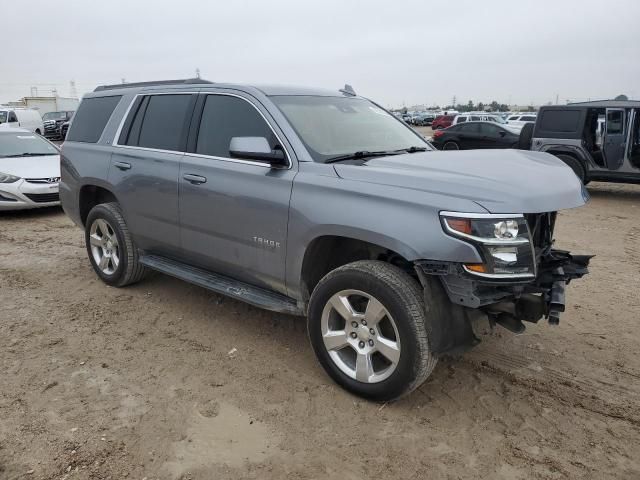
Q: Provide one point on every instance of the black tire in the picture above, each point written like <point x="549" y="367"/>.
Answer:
<point x="38" y="131"/>
<point x="575" y="165"/>
<point x="129" y="269"/>
<point x="402" y="297"/>
<point x="526" y="134"/>
<point x="451" y="145"/>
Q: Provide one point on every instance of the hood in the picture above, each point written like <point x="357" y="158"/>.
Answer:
<point x="501" y="181"/>
<point x="44" y="166"/>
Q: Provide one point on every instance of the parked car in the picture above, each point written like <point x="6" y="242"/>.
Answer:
<point x="424" y="119"/>
<point x="53" y="122"/>
<point x="473" y="135"/>
<point x="27" y="118"/>
<point x="316" y="203"/>
<point x="599" y="140"/>
<point x="29" y="170"/>
<point x="442" y="121"/>
<point x="521" y="119"/>
<point x="477" y="117"/>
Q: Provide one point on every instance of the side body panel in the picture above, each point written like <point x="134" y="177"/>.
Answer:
<point x="403" y="220"/>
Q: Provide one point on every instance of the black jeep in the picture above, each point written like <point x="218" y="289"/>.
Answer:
<point x="598" y="140"/>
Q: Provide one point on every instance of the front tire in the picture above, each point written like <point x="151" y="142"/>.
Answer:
<point x="369" y="329"/>
<point x="451" y="146"/>
<point x="110" y="247"/>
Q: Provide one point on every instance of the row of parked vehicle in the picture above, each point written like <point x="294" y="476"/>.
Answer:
<point x="51" y="125"/>
<point x="437" y="120"/>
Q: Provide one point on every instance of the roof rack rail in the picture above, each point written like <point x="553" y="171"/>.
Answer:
<point x="185" y="81"/>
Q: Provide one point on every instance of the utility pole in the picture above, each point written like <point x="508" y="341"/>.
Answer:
<point x="123" y="80"/>
<point x="453" y="102"/>
<point x="72" y="89"/>
<point x="197" y="73"/>
<point x="557" y="98"/>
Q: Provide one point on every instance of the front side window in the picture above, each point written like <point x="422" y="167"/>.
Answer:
<point x="3" y="116"/>
<point x="489" y="129"/>
<point x="225" y="117"/>
<point x="335" y="126"/>
<point x="462" y="119"/>
<point x="91" y="118"/>
<point x="615" y="122"/>
<point x="12" y="117"/>
<point x="528" y="118"/>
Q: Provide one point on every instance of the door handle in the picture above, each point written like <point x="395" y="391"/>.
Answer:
<point x="194" y="179"/>
<point x="122" y="165"/>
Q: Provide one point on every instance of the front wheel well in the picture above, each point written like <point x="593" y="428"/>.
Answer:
<point x="90" y="196"/>
<point x="327" y="253"/>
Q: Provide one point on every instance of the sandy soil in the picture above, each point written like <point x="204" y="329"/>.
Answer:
<point x="98" y="382"/>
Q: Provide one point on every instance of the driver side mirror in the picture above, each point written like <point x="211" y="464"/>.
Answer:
<point x="502" y="133"/>
<point x="258" y="149"/>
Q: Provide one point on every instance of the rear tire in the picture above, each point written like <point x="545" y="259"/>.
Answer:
<point x="575" y="165"/>
<point x="111" y="248"/>
<point x="393" y="333"/>
<point x="450" y="146"/>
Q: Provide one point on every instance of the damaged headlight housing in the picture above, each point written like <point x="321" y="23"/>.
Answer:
<point x="503" y="241"/>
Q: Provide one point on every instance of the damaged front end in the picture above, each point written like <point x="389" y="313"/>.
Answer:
<point x="521" y="278"/>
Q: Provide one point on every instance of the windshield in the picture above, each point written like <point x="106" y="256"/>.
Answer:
<point x="24" y="144"/>
<point x="55" y="116"/>
<point x="335" y="126"/>
<point x="3" y="117"/>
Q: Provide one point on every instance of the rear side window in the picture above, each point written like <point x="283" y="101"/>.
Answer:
<point x="528" y="119"/>
<point x="160" y="122"/>
<point x="469" y="128"/>
<point x="225" y="117"/>
<point x="560" y="120"/>
<point x="91" y="118"/>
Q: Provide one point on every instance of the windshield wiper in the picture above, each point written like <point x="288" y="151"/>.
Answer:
<point x="364" y="154"/>
<point x="413" y="149"/>
<point x="27" y="154"/>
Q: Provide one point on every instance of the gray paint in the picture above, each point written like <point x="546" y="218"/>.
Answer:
<point x="393" y="202"/>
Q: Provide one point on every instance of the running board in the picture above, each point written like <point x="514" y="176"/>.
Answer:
<point x="244" y="292"/>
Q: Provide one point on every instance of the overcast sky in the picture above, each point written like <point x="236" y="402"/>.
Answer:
<point x="396" y="52"/>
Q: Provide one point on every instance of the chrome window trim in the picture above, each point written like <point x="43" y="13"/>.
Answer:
<point x="200" y="155"/>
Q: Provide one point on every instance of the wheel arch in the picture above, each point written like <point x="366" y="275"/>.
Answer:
<point x="91" y="195"/>
<point x="328" y="251"/>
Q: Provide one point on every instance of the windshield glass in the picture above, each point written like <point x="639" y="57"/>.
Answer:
<point x="24" y="144"/>
<point x="3" y="116"/>
<point x="334" y="126"/>
<point x="54" y="116"/>
<point x="497" y="119"/>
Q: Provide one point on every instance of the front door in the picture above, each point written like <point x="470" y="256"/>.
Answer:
<point x="614" y="142"/>
<point x="234" y="213"/>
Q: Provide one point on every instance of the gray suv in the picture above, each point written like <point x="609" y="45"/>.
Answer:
<point x="321" y="204"/>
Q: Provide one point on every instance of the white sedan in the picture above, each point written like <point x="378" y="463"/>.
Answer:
<point x="29" y="170"/>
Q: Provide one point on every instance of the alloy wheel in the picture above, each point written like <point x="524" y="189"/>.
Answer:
<point x="104" y="246"/>
<point x="360" y="336"/>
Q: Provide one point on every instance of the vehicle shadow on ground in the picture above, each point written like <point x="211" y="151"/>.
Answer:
<point x="624" y="192"/>
<point x="30" y="214"/>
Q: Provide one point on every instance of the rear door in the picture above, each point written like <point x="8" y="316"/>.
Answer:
<point x="145" y="166"/>
<point x="614" y="142"/>
<point x="234" y="213"/>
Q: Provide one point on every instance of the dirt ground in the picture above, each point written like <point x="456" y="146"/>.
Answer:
<point x="98" y="382"/>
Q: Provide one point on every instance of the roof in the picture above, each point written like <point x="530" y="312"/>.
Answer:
<point x="269" y="90"/>
<point x="608" y="104"/>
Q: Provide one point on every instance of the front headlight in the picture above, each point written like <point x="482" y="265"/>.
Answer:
<point x="6" y="178"/>
<point x="503" y="241"/>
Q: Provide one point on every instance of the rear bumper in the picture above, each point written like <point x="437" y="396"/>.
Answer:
<point x="23" y="195"/>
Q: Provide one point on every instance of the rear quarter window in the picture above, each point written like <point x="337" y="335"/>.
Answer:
<point x="560" y="120"/>
<point x="91" y="118"/>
